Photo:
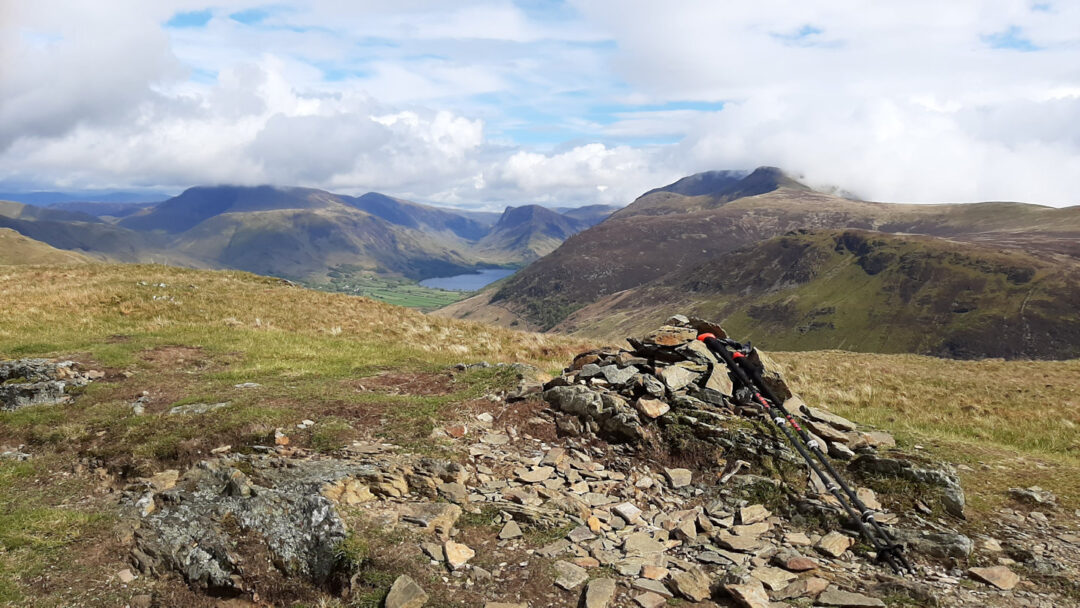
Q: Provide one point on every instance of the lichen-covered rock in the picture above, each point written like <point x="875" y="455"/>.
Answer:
<point x="193" y="528"/>
<point x="942" y="476"/>
<point x="25" y="382"/>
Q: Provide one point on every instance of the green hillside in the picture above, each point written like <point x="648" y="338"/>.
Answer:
<point x="869" y="292"/>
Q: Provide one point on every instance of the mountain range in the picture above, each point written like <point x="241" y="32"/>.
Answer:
<point x="300" y="233"/>
<point x="795" y="268"/>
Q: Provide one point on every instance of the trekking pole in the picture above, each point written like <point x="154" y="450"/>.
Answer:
<point x="745" y="374"/>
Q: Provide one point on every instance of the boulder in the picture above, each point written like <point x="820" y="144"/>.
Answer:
<point x="847" y="599"/>
<point x="569" y="576"/>
<point x="405" y="593"/>
<point x="651" y="408"/>
<point x="599" y="593"/>
<point x="834" y="544"/>
<point x="678" y="478"/>
<point x="692" y="584"/>
<point x="749" y="595"/>
<point x="998" y="576"/>
<point x="457" y="554"/>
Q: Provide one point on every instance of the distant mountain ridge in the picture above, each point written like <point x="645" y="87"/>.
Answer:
<point x="607" y="278"/>
<point x="299" y="233"/>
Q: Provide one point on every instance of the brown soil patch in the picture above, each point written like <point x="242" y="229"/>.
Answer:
<point x="176" y="357"/>
<point x="361" y="416"/>
<point x="399" y="383"/>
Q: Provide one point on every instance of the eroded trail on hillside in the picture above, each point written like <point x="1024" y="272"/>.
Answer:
<point x="633" y="477"/>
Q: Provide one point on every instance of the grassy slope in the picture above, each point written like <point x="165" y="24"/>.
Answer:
<point x="203" y="332"/>
<point x="630" y="250"/>
<point x="866" y="291"/>
<point x="399" y="292"/>
<point x="189" y="341"/>
<point x="18" y="249"/>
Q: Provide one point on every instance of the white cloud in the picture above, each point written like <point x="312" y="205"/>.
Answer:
<point x="463" y="103"/>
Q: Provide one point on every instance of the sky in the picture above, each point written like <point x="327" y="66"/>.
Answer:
<point x="480" y="104"/>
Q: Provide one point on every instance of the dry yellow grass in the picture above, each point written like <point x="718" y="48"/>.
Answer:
<point x="58" y="309"/>
<point x="18" y="249"/>
<point x="1014" y="423"/>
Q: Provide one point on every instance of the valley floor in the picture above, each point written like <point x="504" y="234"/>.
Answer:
<point x="364" y="371"/>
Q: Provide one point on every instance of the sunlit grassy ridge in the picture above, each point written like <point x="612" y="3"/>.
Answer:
<point x="1016" y="423"/>
<point x="65" y="309"/>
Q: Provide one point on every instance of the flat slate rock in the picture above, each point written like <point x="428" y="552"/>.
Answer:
<point x="599" y="593"/>
<point x="405" y="593"/>
<point x="998" y="576"/>
<point x="847" y="599"/>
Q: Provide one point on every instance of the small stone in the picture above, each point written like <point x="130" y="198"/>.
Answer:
<point x="627" y="511"/>
<point x="640" y="544"/>
<point x="580" y="534"/>
<point x="536" y="475"/>
<point x="554" y="548"/>
<point x="820" y="415"/>
<point x="495" y="439"/>
<point x="434" y="551"/>
<point x="405" y="593"/>
<point x="505" y="605"/>
<point x="454" y="492"/>
<point x="847" y="599"/>
<point x="651" y="408"/>
<point x="806" y="587"/>
<point x="457" y="554"/>
<point x="569" y="575"/>
<point x="676" y="377"/>
<point x="1033" y="495"/>
<point x="750" y="595"/>
<point x="223" y="449"/>
<point x="834" y="544"/>
<point x="840" y="451"/>
<point x="670" y="335"/>
<point x="743" y="544"/>
<point x="998" y="576"/>
<point x="125" y="576"/>
<point x="753" y="514"/>
<point x="650" y="600"/>
<point x="991" y="545"/>
<point x="651" y="586"/>
<point x="797" y="539"/>
<point x="799" y="564"/>
<point x="587" y="562"/>
<point x="655" y="573"/>
<point x="280" y="438"/>
<point x="485" y="417"/>
<point x="773" y="578"/>
<point x="692" y="584"/>
<point x="164" y="480"/>
<point x="678" y="478"/>
<point x="457" y="431"/>
<point x="868" y="498"/>
<point x="879" y="439"/>
<point x="599" y="593"/>
<point x="554" y="457"/>
<point x="510" y="530"/>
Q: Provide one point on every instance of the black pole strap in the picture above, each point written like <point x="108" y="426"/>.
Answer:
<point x="745" y="374"/>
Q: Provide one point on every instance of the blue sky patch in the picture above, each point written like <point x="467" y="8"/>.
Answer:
<point x="250" y="16"/>
<point x="190" y="19"/>
<point x="1011" y="39"/>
